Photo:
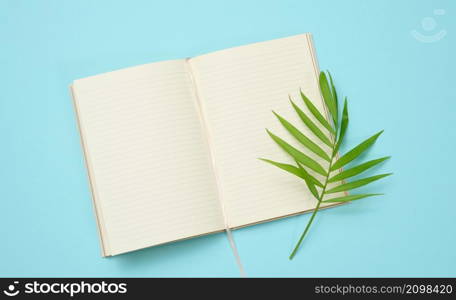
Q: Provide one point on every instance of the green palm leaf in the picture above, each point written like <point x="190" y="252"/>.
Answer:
<point x="343" y="126"/>
<point x="308" y="181"/>
<point x="356" y="184"/>
<point x="355" y="152"/>
<point x="293" y="170"/>
<point x="328" y="97"/>
<point x="311" y="125"/>
<point x="302" y="138"/>
<point x="337" y="129"/>
<point x="357" y="170"/>
<point x="316" y="113"/>
<point x="349" y="198"/>
<point x="298" y="155"/>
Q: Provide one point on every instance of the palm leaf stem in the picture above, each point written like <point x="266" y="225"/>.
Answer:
<point x="319" y="199"/>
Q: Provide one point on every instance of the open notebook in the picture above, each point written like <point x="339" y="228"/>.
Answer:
<point x="171" y="147"/>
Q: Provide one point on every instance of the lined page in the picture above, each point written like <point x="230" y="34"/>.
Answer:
<point x="239" y="87"/>
<point x="147" y="157"/>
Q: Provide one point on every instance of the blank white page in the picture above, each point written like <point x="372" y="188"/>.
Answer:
<point x="238" y="88"/>
<point x="147" y="156"/>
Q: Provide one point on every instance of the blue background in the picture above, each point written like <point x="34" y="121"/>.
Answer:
<point x="394" y="82"/>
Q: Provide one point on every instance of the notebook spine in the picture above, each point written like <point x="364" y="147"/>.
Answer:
<point x="207" y="133"/>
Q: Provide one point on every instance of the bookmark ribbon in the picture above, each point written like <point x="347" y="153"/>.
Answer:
<point x="208" y="134"/>
<point x="235" y="252"/>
